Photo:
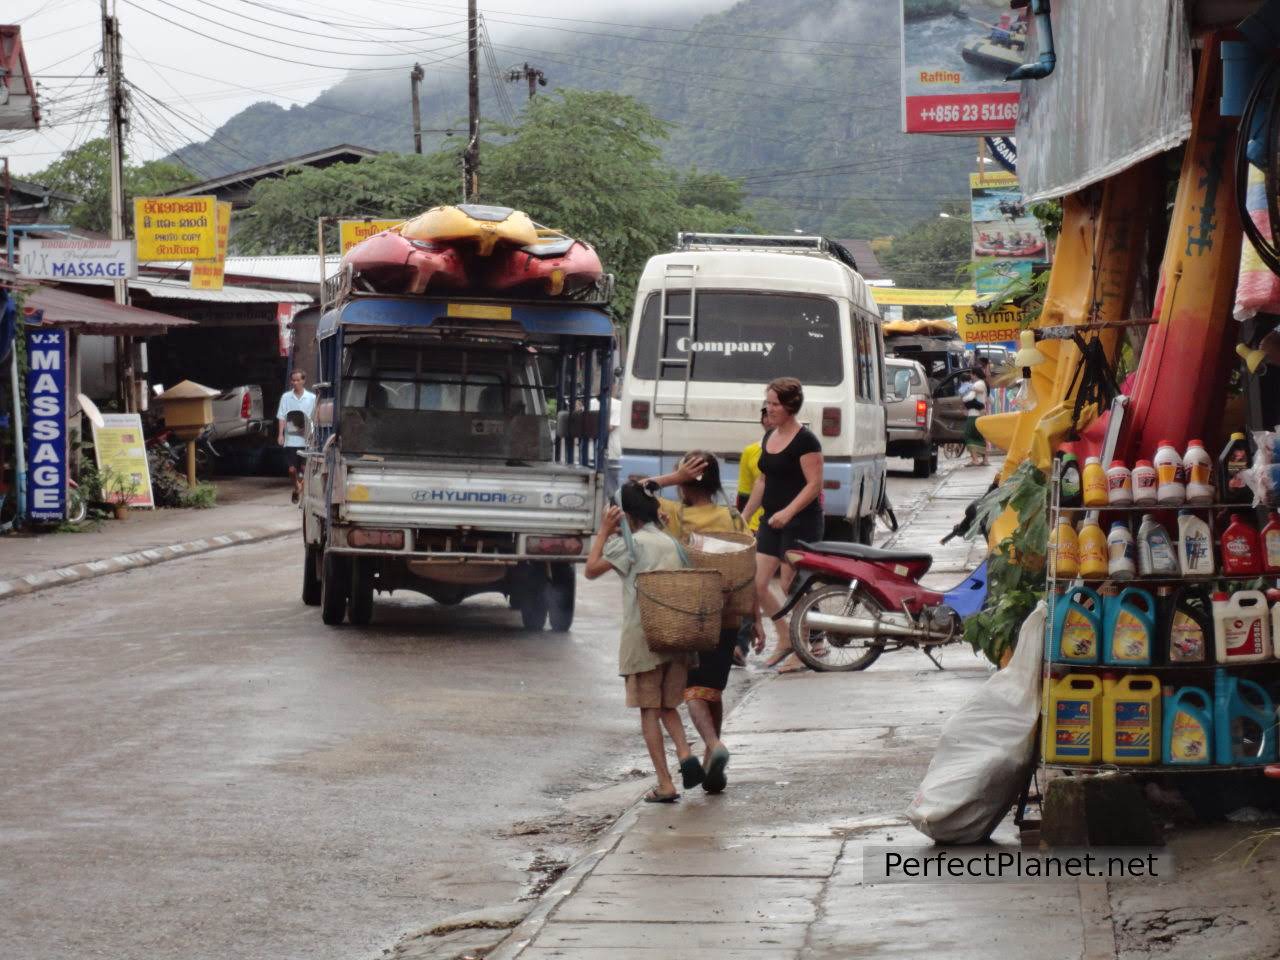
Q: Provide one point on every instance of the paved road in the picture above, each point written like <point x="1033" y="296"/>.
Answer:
<point x="192" y="766"/>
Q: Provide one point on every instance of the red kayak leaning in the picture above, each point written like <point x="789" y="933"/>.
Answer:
<point x="556" y="265"/>
<point x="391" y="263"/>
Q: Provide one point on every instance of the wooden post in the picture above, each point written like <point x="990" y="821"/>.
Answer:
<point x="191" y="464"/>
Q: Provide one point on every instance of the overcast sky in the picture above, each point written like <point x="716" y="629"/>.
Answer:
<point x="190" y="65"/>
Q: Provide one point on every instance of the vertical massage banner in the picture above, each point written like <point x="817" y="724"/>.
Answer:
<point x="46" y="421"/>
<point x="1007" y="238"/>
<point x="955" y="56"/>
<point x="118" y="444"/>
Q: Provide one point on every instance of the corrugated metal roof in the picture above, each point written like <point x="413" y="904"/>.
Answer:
<point x="178" y="290"/>
<point x="62" y="308"/>
<point x="295" y="268"/>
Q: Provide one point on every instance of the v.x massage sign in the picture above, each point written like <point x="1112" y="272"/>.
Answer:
<point x="47" y="413"/>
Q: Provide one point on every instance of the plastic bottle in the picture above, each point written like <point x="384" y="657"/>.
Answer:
<point x="1170" y="476"/>
<point x="1241" y="627"/>
<point x="1241" y="548"/>
<point x="1156" y="554"/>
<point x="1069" y="489"/>
<point x="1244" y="723"/>
<point x="1131" y="719"/>
<point x="1273" y="601"/>
<point x="1077" y="626"/>
<point x="1198" y="467"/>
<point x="1122" y="552"/>
<point x="1119" y="484"/>
<point x="1188" y="727"/>
<point x="1093" y="548"/>
<point x="1270" y="538"/>
<point x="1186" y="631"/>
<point x="1233" y="460"/>
<point x="1195" y="545"/>
<point x="1073" y="733"/>
<point x="1130" y="629"/>
<point x="1145" y="484"/>
<point x="1094" y="483"/>
<point x="1064" y="551"/>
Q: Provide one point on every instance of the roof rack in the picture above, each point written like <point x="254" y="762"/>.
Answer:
<point x="748" y="241"/>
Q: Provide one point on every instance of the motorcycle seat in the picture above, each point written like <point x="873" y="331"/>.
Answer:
<point x="857" y="551"/>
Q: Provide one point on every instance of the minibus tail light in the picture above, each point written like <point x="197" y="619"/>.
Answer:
<point x="831" y="421"/>
<point x="639" y="414"/>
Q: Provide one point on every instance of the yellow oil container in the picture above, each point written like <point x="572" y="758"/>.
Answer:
<point x="1073" y="728"/>
<point x="1131" y="729"/>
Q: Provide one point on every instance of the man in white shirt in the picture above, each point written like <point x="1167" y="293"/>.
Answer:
<point x="291" y="432"/>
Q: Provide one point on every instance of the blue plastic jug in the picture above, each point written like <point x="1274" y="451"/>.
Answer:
<point x="1077" y="626"/>
<point x="1244" y="729"/>
<point x="1188" y="727"/>
<point x="1130" y="628"/>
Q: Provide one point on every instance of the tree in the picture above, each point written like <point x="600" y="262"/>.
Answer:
<point x="934" y="253"/>
<point x="85" y="173"/>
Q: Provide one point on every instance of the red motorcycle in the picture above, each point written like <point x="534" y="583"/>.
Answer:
<point x="850" y="603"/>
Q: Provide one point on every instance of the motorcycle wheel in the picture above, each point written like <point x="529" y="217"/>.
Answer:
<point x="834" y="652"/>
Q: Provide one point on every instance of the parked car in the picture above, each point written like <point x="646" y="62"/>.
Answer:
<point x="949" y="414"/>
<point x="908" y="406"/>
<point x="241" y="434"/>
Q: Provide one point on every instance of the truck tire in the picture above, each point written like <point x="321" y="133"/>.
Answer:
<point x="840" y="529"/>
<point x="335" y="584"/>
<point x="360" y="603"/>
<point x="561" y="595"/>
<point x="922" y="467"/>
<point x="311" y="576"/>
<point x="534" y="596"/>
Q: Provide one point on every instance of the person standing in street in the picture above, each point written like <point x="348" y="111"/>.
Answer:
<point x="293" y="418"/>
<point x="748" y="471"/>
<point x="789" y="489"/>
<point x="974" y="395"/>
<point x="655" y="682"/>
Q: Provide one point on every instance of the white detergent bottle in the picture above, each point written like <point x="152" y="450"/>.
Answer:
<point x="1195" y="545"/>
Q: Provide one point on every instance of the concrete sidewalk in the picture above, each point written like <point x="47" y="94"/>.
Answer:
<point x="248" y="509"/>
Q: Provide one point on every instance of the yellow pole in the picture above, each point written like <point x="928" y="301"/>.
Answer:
<point x="191" y="463"/>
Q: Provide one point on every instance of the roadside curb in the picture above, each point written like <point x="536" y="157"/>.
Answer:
<point x="121" y="563"/>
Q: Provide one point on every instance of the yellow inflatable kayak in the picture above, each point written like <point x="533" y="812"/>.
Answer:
<point x="485" y="226"/>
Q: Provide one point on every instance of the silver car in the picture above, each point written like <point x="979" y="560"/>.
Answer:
<point x="908" y="408"/>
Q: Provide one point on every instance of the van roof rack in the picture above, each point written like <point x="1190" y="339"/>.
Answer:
<point x="749" y="241"/>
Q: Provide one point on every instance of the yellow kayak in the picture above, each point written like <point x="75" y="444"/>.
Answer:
<point x="483" y="225"/>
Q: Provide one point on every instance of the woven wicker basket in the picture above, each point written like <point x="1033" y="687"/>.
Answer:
<point x="680" y="610"/>
<point x="737" y="568"/>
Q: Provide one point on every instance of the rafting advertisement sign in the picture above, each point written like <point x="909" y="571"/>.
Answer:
<point x="1007" y="239"/>
<point x="955" y="57"/>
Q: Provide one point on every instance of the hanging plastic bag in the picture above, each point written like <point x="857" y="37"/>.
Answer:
<point x="985" y="752"/>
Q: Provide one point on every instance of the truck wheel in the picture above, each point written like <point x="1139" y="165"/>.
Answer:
<point x="561" y="593"/>
<point x="335" y="583"/>
<point x="922" y="467"/>
<point x="534" y="590"/>
<point x="311" y="576"/>
<point x="837" y="528"/>
<point x="360" y="603"/>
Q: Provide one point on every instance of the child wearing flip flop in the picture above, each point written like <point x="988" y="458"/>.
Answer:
<point x="655" y="681"/>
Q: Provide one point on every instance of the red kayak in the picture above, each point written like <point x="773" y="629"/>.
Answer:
<point x="391" y="263"/>
<point x="1026" y="250"/>
<point x="555" y="266"/>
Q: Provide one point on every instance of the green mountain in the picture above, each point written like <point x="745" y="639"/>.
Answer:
<point x="799" y="99"/>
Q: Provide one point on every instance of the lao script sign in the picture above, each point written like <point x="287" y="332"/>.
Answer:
<point x="70" y="258"/>
<point x="176" y="228"/>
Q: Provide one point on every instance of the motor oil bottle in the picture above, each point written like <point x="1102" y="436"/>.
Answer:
<point x="1119" y="484"/>
<point x="1273" y="602"/>
<point x="1145" y="484"/>
<point x="1156" y="555"/>
<point x="1244" y="723"/>
<point x="1198" y="466"/>
<point x="1171" y="489"/>
<point x="1186" y="632"/>
<point x="1270" y="538"/>
<point x="1130" y="629"/>
<point x="1064" y="551"/>
<point x="1092" y="545"/>
<point x="1073" y="732"/>
<point x="1122" y="552"/>
<point x="1241" y="548"/>
<point x="1070" y="492"/>
<point x="1077" y="626"/>
<point x="1241" y="627"/>
<point x="1195" y="545"/>
<point x="1232" y="462"/>
<point x="1131" y="719"/>
<point x="1094" y="483"/>
<point x="1188" y="727"/>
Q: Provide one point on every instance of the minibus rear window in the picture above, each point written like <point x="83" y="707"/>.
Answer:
<point x="743" y="337"/>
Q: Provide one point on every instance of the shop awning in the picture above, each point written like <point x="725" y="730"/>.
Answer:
<point x="171" y="289"/>
<point x="62" y="308"/>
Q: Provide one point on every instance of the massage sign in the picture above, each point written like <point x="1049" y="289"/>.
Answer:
<point x="47" y="421"/>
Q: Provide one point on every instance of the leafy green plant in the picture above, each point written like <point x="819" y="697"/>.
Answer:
<point x="1016" y="570"/>
<point x="200" y="497"/>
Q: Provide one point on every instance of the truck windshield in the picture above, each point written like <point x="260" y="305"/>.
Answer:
<point x="743" y="337"/>
<point x="484" y="402"/>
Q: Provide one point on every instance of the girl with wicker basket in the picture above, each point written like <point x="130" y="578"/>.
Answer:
<point x="655" y="681"/>
<point x="698" y="478"/>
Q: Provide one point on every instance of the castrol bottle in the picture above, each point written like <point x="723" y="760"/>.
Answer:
<point x="1171" y="489"/>
<point x="1145" y="484"/>
<point x="1198" y="466"/>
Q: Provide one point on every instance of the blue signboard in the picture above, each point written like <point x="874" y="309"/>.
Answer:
<point x="47" y="423"/>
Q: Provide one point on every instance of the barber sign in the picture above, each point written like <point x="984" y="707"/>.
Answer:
<point x="47" y="422"/>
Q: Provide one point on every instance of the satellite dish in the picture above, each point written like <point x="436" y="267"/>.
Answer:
<point x="90" y="410"/>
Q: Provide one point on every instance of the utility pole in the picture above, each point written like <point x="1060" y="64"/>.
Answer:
<point x="115" y="126"/>
<point x="535" y="78"/>
<point x="415" y="87"/>
<point x="471" y="158"/>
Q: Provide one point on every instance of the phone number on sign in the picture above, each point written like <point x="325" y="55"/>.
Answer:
<point x="969" y="112"/>
<point x="990" y="113"/>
